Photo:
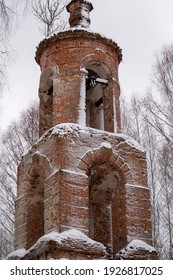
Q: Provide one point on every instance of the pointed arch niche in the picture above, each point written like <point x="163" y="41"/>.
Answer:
<point x="107" y="201"/>
<point x="100" y="109"/>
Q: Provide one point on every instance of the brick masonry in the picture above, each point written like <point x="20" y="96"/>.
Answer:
<point x="64" y="162"/>
<point x="74" y="52"/>
<point x="82" y="174"/>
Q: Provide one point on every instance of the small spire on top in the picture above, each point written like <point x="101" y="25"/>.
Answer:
<point x="79" y="13"/>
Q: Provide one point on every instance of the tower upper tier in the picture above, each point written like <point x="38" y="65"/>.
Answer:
<point x="79" y="75"/>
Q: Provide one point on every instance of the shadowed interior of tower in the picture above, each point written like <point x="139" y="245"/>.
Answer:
<point x="96" y="83"/>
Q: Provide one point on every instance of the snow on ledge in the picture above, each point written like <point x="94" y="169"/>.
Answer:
<point x="70" y="239"/>
<point x="134" y="246"/>
<point x="133" y="143"/>
<point x="140" y="245"/>
<point x="63" y="129"/>
<point x="18" y="254"/>
<point x="106" y="145"/>
<point x="73" y="237"/>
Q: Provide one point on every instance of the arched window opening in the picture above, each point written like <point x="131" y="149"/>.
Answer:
<point x="95" y="85"/>
<point x="35" y="208"/>
<point x="46" y="100"/>
<point x="107" y="213"/>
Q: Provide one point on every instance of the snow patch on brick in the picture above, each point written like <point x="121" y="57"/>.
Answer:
<point x="137" y="186"/>
<point x="140" y="245"/>
<point x="73" y="237"/>
<point x="20" y="253"/>
<point x="106" y="145"/>
<point x="133" y="143"/>
<point x="70" y="239"/>
<point x="135" y="246"/>
<point x="63" y="129"/>
<point x="74" y="172"/>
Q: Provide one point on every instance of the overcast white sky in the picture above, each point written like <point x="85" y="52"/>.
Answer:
<point x="140" y="27"/>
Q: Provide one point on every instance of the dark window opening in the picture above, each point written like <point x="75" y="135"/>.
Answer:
<point x="94" y="100"/>
<point x="50" y="90"/>
<point x="99" y="102"/>
<point x="93" y="79"/>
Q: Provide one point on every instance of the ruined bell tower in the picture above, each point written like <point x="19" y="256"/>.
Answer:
<point x="82" y="188"/>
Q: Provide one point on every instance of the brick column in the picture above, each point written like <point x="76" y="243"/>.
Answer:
<point x="69" y="98"/>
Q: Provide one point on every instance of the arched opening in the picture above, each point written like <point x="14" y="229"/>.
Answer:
<point x="46" y="100"/>
<point x="94" y="101"/>
<point x="35" y="207"/>
<point x="107" y="207"/>
<point x="96" y="84"/>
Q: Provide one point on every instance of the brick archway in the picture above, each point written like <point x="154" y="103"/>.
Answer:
<point x="108" y="173"/>
<point x="102" y="97"/>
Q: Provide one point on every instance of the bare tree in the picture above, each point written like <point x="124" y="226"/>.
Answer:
<point x="6" y="18"/>
<point x="157" y="127"/>
<point x="163" y="72"/>
<point x="50" y="14"/>
<point x="131" y="118"/>
<point x="135" y="125"/>
<point x="9" y="15"/>
<point x="21" y="134"/>
<point x="18" y="138"/>
<point x="166" y="200"/>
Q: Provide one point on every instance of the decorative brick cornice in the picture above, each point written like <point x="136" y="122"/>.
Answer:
<point x="76" y="33"/>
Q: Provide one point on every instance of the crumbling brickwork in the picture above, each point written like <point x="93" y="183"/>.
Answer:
<point x="82" y="174"/>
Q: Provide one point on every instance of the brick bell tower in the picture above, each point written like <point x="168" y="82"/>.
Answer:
<point x="82" y="189"/>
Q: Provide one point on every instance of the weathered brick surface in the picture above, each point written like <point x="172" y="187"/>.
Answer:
<point x="75" y="176"/>
<point x="67" y="192"/>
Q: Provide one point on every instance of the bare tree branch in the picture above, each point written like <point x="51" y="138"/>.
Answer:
<point x="50" y="15"/>
<point x="19" y="136"/>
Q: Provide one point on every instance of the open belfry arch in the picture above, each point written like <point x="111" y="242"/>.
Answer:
<point x="82" y="188"/>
